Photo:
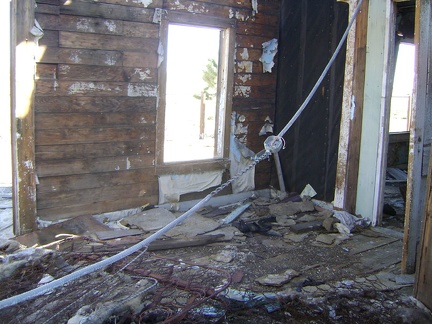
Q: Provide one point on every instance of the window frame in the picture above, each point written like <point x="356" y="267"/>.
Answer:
<point x="224" y="93"/>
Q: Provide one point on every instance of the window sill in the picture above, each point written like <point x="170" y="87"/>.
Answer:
<point x="192" y="166"/>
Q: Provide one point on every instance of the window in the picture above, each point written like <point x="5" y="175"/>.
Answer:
<point x="403" y="85"/>
<point x="195" y="91"/>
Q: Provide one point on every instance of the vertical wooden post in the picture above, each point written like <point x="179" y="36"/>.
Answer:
<point x="376" y="109"/>
<point x="23" y="138"/>
<point x="423" y="283"/>
<point x="420" y="136"/>
<point x="352" y="107"/>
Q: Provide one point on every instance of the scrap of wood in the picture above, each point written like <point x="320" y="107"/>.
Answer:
<point x="109" y="235"/>
<point x="176" y="243"/>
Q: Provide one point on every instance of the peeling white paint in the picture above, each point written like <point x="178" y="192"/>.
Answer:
<point x="141" y="90"/>
<point x="74" y="56"/>
<point x="143" y="75"/>
<point x="192" y="8"/>
<point x="128" y="164"/>
<point x="161" y="53"/>
<point x="245" y="77"/>
<point x="64" y="68"/>
<point x="245" y="66"/>
<point x="242" y="91"/>
<point x="28" y="164"/>
<point x="55" y="85"/>
<point x="270" y="49"/>
<point x="145" y="3"/>
<point x="245" y="54"/>
<point x="111" y="60"/>
<point x="83" y="87"/>
<point x="117" y="168"/>
<point x="84" y="24"/>
<point x="255" y="6"/>
<point x="143" y="120"/>
<point x="237" y="15"/>
<point x="110" y="25"/>
<point x="158" y="15"/>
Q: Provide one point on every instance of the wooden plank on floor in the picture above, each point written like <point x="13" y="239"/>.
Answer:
<point x="381" y="258"/>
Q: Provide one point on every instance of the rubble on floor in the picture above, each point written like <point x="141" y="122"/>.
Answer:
<point x="261" y="260"/>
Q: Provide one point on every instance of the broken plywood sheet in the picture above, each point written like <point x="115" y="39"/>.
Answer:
<point x="150" y="220"/>
<point x="375" y="260"/>
<point x="81" y="225"/>
<point x="194" y="225"/>
<point x="291" y="208"/>
<point x="361" y="243"/>
<point x="108" y="235"/>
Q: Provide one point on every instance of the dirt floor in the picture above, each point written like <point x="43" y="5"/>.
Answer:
<point x="276" y="266"/>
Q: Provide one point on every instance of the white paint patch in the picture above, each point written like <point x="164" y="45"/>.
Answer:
<point x="143" y="120"/>
<point x="83" y="87"/>
<point x="242" y="91"/>
<point x="158" y="15"/>
<point x="161" y="53"/>
<point x="237" y="15"/>
<point x="117" y="168"/>
<point x="270" y="49"/>
<point x="142" y="90"/>
<point x="128" y="164"/>
<point x="244" y="66"/>
<point x="111" y="60"/>
<point x="55" y="85"/>
<point x="245" y="54"/>
<point x="245" y="77"/>
<point x="145" y="3"/>
<point x="28" y="164"/>
<point x="255" y="6"/>
<point x="75" y="56"/>
<point x="84" y="24"/>
<point x="110" y="25"/>
<point x="64" y="69"/>
<point x="143" y="75"/>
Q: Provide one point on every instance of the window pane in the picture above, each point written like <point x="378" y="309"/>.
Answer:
<point x="400" y="111"/>
<point x="192" y="68"/>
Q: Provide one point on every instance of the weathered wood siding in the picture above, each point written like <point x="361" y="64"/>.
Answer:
<point x="309" y="32"/>
<point x="96" y="97"/>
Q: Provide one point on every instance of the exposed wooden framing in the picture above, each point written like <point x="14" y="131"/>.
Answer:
<point x="352" y="108"/>
<point x="376" y="109"/>
<point x="22" y="94"/>
<point x="423" y="283"/>
<point x="419" y="136"/>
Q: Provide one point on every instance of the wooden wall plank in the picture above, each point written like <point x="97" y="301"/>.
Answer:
<point x="91" y="135"/>
<point x="96" y="180"/>
<point x="90" y="88"/>
<point x="99" y="73"/>
<point x="94" y="208"/>
<point x="62" y="121"/>
<point x="96" y="104"/>
<point x="94" y="165"/>
<point x="110" y="11"/>
<point x="107" y="42"/>
<point x="93" y="150"/>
